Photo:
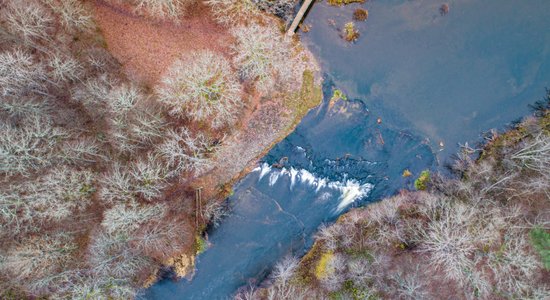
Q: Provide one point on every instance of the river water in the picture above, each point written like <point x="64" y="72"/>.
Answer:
<point x="433" y="80"/>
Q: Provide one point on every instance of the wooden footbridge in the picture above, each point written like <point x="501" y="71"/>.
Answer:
<point x="299" y="16"/>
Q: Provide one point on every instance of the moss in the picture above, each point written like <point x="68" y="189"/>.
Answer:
<point x="322" y="269"/>
<point x="338" y="94"/>
<point x="540" y="239"/>
<point x="344" y="2"/>
<point x="421" y="183"/>
<point x="309" y="96"/>
<point x="305" y="274"/>
<point x="200" y="244"/>
<point x="350" y="33"/>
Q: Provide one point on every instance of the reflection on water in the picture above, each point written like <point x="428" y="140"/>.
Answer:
<point x="429" y="78"/>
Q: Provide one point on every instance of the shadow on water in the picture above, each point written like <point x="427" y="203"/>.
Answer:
<point x="429" y="78"/>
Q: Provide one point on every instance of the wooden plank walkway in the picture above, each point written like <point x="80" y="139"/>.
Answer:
<point x="299" y="16"/>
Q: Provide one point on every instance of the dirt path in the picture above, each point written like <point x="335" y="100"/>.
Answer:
<point x="147" y="48"/>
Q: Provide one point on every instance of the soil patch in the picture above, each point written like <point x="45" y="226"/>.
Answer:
<point x="147" y="48"/>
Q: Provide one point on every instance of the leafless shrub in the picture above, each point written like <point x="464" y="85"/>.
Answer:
<point x="80" y="151"/>
<point x="535" y="155"/>
<point x="515" y="267"/>
<point x="285" y="270"/>
<point x="64" y="68"/>
<point x="360" y="270"/>
<point x="117" y="185"/>
<point x="38" y="257"/>
<point x="23" y="107"/>
<point x="214" y="212"/>
<point x="233" y="12"/>
<point x="111" y="257"/>
<point x="454" y="237"/>
<point x="52" y="197"/>
<point x="409" y="286"/>
<point x="126" y="218"/>
<point x="20" y="73"/>
<point x="149" y="178"/>
<point x="28" y="147"/>
<point x="263" y="55"/>
<point x="133" y="119"/>
<point x="186" y="153"/>
<point x="329" y="235"/>
<point x="145" y="178"/>
<point x="29" y="20"/>
<point x="162" y="9"/>
<point x="74" y="16"/>
<point x="202" y="86"/>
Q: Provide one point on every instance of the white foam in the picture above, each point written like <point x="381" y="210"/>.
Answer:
<point x="264" y="169"/>
<point x="351" y="190"/>
<point x="293" y="174"/>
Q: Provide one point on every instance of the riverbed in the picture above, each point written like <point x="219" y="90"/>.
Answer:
<point x="419" y="83"/>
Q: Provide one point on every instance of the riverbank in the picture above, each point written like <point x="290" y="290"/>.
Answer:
<point x="485" y="235"/>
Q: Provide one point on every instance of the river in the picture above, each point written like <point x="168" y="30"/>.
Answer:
<point x="418" y="83"/>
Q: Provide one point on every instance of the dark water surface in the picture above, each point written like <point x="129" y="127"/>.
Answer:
<point x="430" y="78"/>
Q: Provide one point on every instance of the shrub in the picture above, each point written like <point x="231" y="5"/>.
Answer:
<point x="55" y="196"/>
<point x="38" y="257"/>
<point x="233" y="12"/>
<point x="29" y="147"/>
<point x="262" y="55"/>
<point x="133" y="119"/>
<point x="24" y="107"/>
<point x="20" y="74"/>
<point x="64" y="68"/>
<point x="350" y="33"/>
<point x="73" y="15"/>
<point x="145" y="178"/>
<point x="28" y="20"/>
<point x="114" y="264"/>
<point x="126" y="218"/>
<point x="202" y="86"/>
<point x="421" y="183"/>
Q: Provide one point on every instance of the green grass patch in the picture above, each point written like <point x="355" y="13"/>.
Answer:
<point x="200" y="244"/>
<point x="421" y="183"/>
<point x="338" y="94"/>
<point x="540" y="239"/>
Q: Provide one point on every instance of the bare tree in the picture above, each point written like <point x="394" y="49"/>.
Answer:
<point x="28" y="147"/>
<point x="265" y="56"/>
<point x="202" y="86"/>
<point x="184" y="152"/>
